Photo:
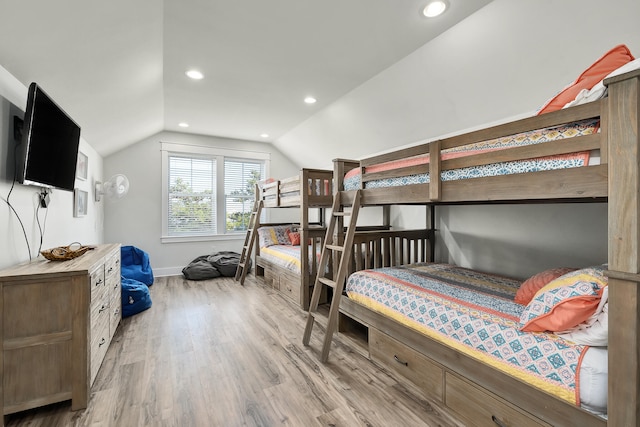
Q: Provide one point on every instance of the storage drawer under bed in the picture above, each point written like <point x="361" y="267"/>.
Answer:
<point x="482" y="408"/>
<point x="401" y="359"/>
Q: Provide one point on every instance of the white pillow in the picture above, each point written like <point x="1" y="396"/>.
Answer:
<point x="595" y="330"/>
<point x="600" y="90"/>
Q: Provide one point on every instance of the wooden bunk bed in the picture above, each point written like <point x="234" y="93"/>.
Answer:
<point x="374" y="246"/>
<point x="471" y="388"/>
<point x="311" y="188"/>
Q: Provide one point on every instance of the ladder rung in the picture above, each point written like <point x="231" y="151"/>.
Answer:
<point x="321" y="317"/>
<point x="250" y="230"/>
<point x="245" y="247"/>
<point x="341" y="213"/>
<point x="327" y="282"/>
<point x="318" y="314"/>
<point x="334" y="247"/>
<point x="241" y="264"/>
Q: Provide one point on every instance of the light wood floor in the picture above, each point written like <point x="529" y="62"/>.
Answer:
<point x="213" y="353"/>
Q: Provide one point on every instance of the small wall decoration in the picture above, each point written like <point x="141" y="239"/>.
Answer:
<point x="80" y="202"/>
<point x="82" y="167"/>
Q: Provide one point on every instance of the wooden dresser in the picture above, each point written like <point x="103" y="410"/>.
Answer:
<point x="57" y="322"/>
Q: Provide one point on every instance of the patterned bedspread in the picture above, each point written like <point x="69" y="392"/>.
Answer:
<point x="571" y="160"/>
<point x="287" y="256"/>
<point x="475" y="314"/>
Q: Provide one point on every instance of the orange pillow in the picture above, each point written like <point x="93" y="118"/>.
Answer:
<point x="536" y="282"/>
<point x="610" y="61"/>
<point x="565" y="302"/>
<point x="294" y="236"/>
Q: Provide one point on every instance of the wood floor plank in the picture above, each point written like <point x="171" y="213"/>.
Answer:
<point x="214" y="353"/>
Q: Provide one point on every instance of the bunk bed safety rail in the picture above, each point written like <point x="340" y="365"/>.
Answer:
<point x="389" y="248"/>
<point x="545" y="147"/>
<point x="309" y="188"/>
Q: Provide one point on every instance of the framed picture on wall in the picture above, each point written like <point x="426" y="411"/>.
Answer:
<point x="80" y="202"/>
<point x="82" y="168"/>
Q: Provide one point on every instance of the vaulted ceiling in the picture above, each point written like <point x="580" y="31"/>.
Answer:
<point x="118" y="67"/>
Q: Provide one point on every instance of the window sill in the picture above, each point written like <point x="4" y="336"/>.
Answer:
<point x="217" y="237"/>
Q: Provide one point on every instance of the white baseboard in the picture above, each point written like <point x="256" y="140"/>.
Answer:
<point x="169" y="271"/>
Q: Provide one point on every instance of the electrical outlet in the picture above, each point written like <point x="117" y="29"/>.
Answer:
<point x="44" y="199"/>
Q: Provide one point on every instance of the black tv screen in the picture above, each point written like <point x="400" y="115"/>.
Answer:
<point x="48" y="153"/>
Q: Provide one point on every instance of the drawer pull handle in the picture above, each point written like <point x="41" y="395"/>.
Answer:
<point x="497" y="421"/>
<point x="110" y="270"/>
<point x="102" y="341"/>
<point x="402" y="362"/>
<point x="99" y="282"/>
<point x="103" y="308"/>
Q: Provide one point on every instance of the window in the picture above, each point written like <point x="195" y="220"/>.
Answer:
<point x="208" y="192"/>
<point x="192" y="196"/>
<point x="240" y="178"/>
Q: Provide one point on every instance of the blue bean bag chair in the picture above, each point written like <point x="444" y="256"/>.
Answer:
<point x="135" y="297"/>
<point x="135" y="265"/>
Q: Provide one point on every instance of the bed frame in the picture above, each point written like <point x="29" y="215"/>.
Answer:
<point x="470" y="388"/>
<point x="309" y="189"/>
<point x="587" y="182"/>
<point x="374" y="246"/>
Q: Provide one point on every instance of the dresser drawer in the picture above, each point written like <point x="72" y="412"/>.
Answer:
<point x="99" y="345"/>
<point x="112" y="282"/>
<point x="115" y="313"/>
<point x="112" y="267"/>
<point x="99" y="313"/>
<point x="98" y="284"/>
<point x="409" y="363"/>
<point x="482" y="408"/>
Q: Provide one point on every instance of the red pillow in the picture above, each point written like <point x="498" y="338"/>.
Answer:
<point x="538" y="281"/>
<point x="294" y="236"/>
<point x="610" y="61"/>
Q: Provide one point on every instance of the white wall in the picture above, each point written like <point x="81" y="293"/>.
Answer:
<point x="137" y="218"/>
<point x="504" y="61"/>
<point x="60" y="227"/>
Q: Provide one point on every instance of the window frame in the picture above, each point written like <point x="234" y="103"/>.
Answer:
<point x="220" y="154"/>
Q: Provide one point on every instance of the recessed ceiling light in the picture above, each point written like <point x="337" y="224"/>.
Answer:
<point x="264" y="135"/>
<point x="194" y="74"/>
<point x="310" y="100"/>
<point x="183" y="124"/>
<point x="434" y="8"/>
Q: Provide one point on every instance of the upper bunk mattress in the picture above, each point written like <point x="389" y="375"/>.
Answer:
<point x="475" y="314"/>
<point x="353" y="178"/>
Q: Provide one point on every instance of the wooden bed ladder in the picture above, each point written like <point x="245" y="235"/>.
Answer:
<point x="343" y="258"/>
<point x="250" y="238"/>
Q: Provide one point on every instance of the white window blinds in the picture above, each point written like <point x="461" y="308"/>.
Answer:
<point x="208" y="192"/>
<point x="240" y="177"/>
<point x="192" y="196"/>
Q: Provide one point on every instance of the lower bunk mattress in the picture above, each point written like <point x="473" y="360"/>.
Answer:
<point x="288" y="256"/>
<point x="475" y="314"/>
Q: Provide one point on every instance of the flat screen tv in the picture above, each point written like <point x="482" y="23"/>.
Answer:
<point x="48" y="153"/>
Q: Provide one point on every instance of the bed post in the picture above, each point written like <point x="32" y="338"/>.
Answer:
<point x="624" y="249"/>
<point x="305" y="295"/>
<point x="431" y="209"/>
